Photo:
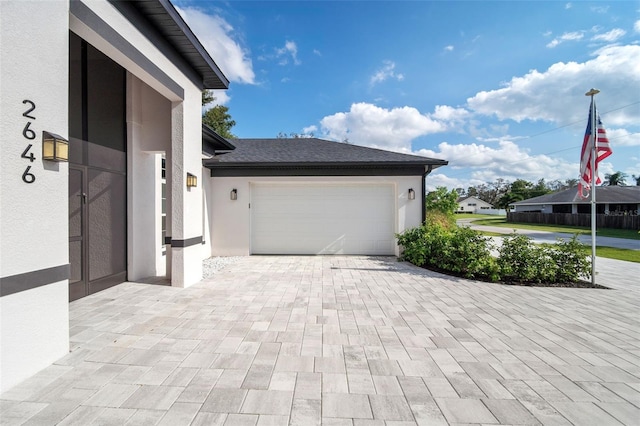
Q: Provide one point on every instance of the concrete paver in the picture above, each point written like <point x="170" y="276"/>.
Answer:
<point x="344" y="341"/>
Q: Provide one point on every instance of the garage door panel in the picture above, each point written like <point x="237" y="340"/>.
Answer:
<point x="322" y="219"/>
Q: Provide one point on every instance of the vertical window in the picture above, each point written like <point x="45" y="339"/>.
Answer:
<point x="96" y="96"/>
<point x="164" y="206"/>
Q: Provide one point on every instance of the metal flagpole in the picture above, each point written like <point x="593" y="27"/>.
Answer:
<point x="594" y="139"/>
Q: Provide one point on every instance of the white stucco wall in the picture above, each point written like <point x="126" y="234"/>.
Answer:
<point x="34" y="324"/>
<point x="229" y="221"/>
<point x="148" y="138"/>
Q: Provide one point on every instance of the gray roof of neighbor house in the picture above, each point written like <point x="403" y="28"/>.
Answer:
<point x="308" y="156"/>
<point x="461" y="199"/>
<point x="174" y="31"/>
<point x="604" y="194"/>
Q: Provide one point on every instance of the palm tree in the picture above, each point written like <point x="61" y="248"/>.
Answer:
<point x="637" y="179"/>
<point x="615" y="179"/>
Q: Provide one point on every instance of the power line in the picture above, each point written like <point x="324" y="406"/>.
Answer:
<point x="580" y="121"/>
<point x="558" y="128"/>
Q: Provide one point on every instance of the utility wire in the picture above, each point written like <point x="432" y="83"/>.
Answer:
<point x="558" y="128"/>
<point x="580" y="121"/>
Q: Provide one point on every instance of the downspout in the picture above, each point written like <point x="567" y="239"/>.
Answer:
<point x="427" y="171"/>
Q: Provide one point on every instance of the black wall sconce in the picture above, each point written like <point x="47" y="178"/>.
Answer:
<point x="192" y="180"/>
<point x="54" y="147"/>
<point x="233" y="194"/>
<point x="412" y="194"/>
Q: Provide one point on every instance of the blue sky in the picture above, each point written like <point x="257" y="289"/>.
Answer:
<point x="495" y="88"/>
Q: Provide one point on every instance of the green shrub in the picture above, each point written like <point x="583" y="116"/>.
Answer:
<point x="522" y="261"/>
<point x="571" y="258"/>
<point x="519" y="259"/>
<point x="414" y="249"/>
<point x="468" y="253"/>
<point x="459" y="250"/>
<point x="436" y="217"/>
<point x="465" y="252"/>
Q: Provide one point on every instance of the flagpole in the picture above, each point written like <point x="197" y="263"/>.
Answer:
<point x="594" y="139"/>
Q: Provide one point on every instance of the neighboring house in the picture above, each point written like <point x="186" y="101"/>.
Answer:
<point x="312" y="196"/>
<point x="472" y="205"/>
<point x="122" y="82"/>
<point x="610" y="200"/>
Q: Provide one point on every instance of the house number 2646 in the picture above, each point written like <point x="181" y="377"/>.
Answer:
<point x="30" y="135"/>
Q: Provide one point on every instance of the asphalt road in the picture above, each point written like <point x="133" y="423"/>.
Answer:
<point x="546" y="237"/>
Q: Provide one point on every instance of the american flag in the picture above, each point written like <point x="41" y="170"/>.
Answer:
<point x="603" y="150"/>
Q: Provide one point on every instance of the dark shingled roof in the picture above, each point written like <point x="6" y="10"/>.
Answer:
<point x="313" y="151"/>
<point x="315" y="157"/>
<point x="604" y="194"/>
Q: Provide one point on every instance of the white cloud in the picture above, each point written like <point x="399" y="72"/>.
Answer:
<point x="557" y="94"/>
<point x="290" y="49"/>
<point x="369" y="125"/>
<point x="309" y="129"/>
<point x="450" y="114"/>
<point x="387" y="71"/>
<point x="437" y="178"/>
<point x="553" y="43"/>
<point x="610" y="36"/>
<point x="221" y="98"/>
<point x="317" y="52"/>
<point x="449" y="48"/>
<point x="622" y="137"/>
<point x="568" y="6"/>
<point x="216" y="35"/>
<point x="507" y="160"/>
<point x="636" y="26"/>
<point x="573" y="36"/>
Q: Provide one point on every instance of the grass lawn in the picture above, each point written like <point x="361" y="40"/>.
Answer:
<point x="501" y="221"/>
<point x="476" y="216"/>
<point x="618" y="254"/>
<point x="613" y="253"/>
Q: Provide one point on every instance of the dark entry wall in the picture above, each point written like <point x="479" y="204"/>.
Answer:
<point x="98" y="164"/>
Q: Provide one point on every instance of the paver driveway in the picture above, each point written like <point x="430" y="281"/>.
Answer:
<point x="341" y="341"/>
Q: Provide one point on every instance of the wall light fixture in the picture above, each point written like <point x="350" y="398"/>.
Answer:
<point x="54" y="147"/>
<point x="192" y="180"/>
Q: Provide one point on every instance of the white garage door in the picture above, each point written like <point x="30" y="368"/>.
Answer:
<point x="322" y="219"/>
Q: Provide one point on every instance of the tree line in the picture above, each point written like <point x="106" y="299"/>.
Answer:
<point x="501" y="193"/>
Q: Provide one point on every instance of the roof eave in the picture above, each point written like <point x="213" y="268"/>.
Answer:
<point x="213" y="80"/>
<point x="223" y="144"/>
<point x="318" y="164"/>
<point x="168" y="24"/>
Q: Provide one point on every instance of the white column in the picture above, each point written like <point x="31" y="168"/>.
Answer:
<point x="186" y="203"/>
